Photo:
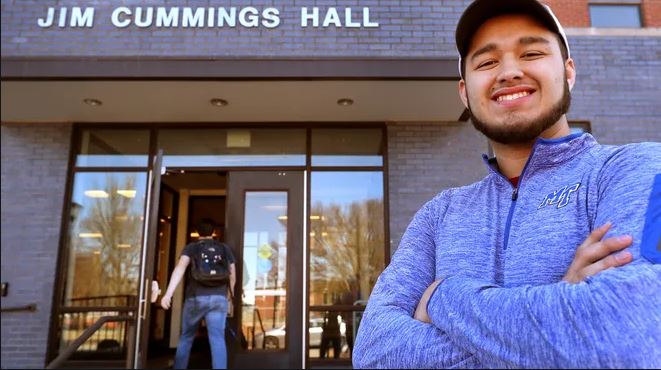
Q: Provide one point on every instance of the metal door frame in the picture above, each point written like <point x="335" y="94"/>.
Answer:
<point x="293" y="182"/>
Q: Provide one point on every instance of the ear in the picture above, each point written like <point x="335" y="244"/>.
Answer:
<point x="570" y="70"/>
<point x="462" y="92"/>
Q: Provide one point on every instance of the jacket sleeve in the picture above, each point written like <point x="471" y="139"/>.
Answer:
<point x="388" y="336"/>
<point x="613" y="319"/>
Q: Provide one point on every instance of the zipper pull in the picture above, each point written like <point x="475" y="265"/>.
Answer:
<point x="515" y="194"/>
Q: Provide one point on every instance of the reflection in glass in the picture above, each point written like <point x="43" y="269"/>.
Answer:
<point x="343" y="147"/>
<point x="232" y="148"/>
<point x="104" y="243"/>
<point x="113" y="148"/>
<point x="105" y="236"/>
<point x="347" y="245"/>
<point x="265" y="270"/>
<point x="109" y="342"/>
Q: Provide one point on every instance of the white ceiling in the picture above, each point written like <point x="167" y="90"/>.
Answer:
<point x="249" y="101"/>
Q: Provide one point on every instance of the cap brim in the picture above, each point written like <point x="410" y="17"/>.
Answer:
<point x="481" y="10"/>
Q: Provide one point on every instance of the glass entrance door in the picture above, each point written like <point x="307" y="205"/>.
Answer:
<point x="147" y="265"/>
<point x="264" y="225"/>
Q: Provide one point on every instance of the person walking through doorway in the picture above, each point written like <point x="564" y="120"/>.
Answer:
<point x="204" y="298"/>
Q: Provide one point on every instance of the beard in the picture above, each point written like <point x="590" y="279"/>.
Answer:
<point x="525" y="132"/>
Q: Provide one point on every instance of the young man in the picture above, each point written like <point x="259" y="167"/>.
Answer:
<point x="202" y="301"/>
<point x="489" y="275"/>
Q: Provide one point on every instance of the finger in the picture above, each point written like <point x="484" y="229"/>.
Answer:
<point x="614" y="260"/>
<point x="600" y="250"/>
<point x="597" y="234"/>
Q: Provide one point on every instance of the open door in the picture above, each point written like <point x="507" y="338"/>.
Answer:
<point x="147" y="264"/>
<point x="264" y="226"/>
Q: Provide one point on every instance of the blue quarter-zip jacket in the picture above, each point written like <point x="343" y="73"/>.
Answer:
<point x="502" y="252"/>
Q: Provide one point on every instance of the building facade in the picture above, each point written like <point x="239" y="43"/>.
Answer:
<point x="310" y="131"/>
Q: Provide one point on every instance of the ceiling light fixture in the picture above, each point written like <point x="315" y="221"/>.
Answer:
<point x="93" y="102"/>
<point x="345" y="102"/>
<point x="216" y="102"/>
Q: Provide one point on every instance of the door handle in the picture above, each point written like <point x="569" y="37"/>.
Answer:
<point x="142" y="312"/>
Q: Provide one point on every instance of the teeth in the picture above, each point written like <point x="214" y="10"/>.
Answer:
<point x="512" y="96"/>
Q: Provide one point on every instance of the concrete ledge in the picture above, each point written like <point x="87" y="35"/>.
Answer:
<point x="593" y="31"/>
<point x="244" y="69"/>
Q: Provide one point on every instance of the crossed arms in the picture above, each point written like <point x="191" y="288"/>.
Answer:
<point x="610" y="320"/>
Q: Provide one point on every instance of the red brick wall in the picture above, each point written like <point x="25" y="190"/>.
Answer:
<point x="571" y="13"/>
<point x="651" y="10"/>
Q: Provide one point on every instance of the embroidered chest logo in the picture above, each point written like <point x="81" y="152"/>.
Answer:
<point x="560" y="197"/>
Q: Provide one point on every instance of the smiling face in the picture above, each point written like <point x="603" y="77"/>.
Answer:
<point x="516" y="84"/>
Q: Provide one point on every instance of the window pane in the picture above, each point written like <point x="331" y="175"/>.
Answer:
<point x="264" y="308"/>
<point x="110" y="342"/>
<point x="113" y="148"/>
<point x="615" y="16"/>
<point x="338" y="147"/>
<point x="347" y="245"/>
<point x="105" y="239"/>
<point x="103" y="260"/>
<point x="232" y="148"/>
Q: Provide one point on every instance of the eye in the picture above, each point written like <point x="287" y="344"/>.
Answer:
<point x="532" y="55"/>
<point x="486" y="64"/>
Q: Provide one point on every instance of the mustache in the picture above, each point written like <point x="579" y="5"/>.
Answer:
<point x="524" y="133"/>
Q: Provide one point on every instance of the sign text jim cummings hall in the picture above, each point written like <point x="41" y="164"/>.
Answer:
<point x="205" y="17"/>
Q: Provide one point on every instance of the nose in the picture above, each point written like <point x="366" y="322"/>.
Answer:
<point x="509" y="70"/>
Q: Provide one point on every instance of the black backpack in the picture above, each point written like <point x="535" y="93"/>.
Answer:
<point x="210" y="266"/>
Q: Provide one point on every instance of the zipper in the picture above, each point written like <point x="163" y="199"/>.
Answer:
<point x="515" y="196"/>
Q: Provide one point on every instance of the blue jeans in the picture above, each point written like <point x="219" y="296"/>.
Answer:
<point x="213" y="309"/>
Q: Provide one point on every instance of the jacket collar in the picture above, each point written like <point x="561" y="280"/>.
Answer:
<point x="548" y="152"/>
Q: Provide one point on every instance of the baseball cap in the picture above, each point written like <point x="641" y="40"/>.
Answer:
<point x="480" y="11"/>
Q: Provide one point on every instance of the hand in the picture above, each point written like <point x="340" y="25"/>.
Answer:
<point x="421" y="310"/>
<point x="166" y="301"/>
<point x="155" y="291"/>
<point x="595" y="255"/>
<point x="230" y="306"/>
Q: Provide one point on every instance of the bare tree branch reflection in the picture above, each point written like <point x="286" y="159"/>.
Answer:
<point x="346" y="250"/>
<point x="108" y="264"/>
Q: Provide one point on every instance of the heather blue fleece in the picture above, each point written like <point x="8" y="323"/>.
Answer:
<point x="502" y="303"/>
